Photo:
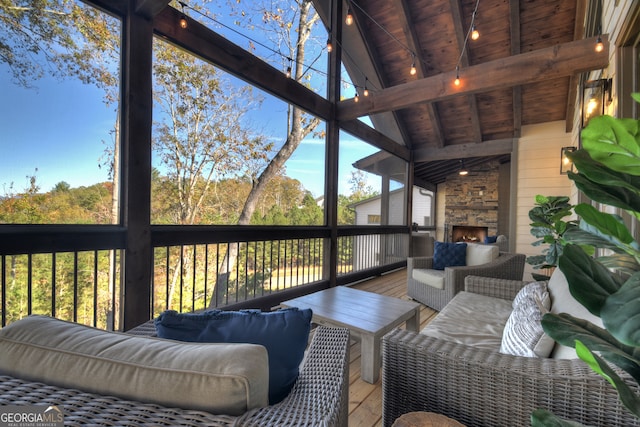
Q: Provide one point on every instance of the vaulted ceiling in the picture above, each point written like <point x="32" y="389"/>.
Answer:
<point x="523" y="70"/>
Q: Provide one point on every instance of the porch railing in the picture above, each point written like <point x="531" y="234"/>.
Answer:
<point x="74" y="272"/>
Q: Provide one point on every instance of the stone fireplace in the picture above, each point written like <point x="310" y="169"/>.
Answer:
<point x="471" y="208"/>
<point x="467" y="233"/>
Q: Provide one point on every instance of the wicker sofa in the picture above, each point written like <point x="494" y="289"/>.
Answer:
<point x="483" y="387"/>
<point x="505" y="266"/>
<point x="318" y="398"/>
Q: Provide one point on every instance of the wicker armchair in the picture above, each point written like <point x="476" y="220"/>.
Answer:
<point x="506" y="266"/>
<point x="319" y="397"/>
<point x="484" y="388"/>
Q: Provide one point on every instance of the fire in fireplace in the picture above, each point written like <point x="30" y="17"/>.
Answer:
<point x="469" y="233"/>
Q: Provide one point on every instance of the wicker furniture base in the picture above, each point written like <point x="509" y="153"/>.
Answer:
<point x="319" y="397"/>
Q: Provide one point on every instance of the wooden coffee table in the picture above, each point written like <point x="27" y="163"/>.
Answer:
<point x="367" y="315"/>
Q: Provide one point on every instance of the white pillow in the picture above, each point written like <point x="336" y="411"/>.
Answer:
<point x="478" y="254"/>
<point x="523" y="334"/>
<point x="217" y="378"/>
<point x="534" y="289"/>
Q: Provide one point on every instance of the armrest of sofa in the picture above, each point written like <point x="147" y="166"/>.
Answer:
<point x="492" y="287"/>
<point x="418" y="262"/>
<point x="483" y="388"/>
<point x="506" y="266"/>
<point x="320" y="396"/>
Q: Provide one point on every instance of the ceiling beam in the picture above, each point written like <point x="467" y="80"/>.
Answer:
<point x="150" y="8"/>
<point x="461" y="35"/>
<point x="370" y="135"/>
<point x="556" y="61"/>
<point x="413" y="41"/>
<point x="214" y="48"/>
<point x="514" y="29"/>
<point x="462" y="151"/>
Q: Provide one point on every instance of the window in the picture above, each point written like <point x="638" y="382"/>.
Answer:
<point x="59" y="114"/>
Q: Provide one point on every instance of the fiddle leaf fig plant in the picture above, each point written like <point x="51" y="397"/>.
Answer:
<point x="608" y="286"/>
<point x="549" y="226"/>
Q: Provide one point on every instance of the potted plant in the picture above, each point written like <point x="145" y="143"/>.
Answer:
<point x="608" y="168"/>
<point x="549" y="226"/>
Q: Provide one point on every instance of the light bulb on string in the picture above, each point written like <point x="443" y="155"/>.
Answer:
<point x="599" y="45"/>
<point x="475" y="34"/>
<point x="366" y="91"/>
<point x="457" y="80"/>
<point x="349" y="19"/>
<point x="289" y="71"/>
<point x="329" y="45"/>
<point x="183" y="19"/>
<point x="356" y="98"/>
<point x="413" y="71"/>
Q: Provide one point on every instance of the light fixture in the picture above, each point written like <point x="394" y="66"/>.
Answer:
<point x="329" y="45"/>
<point x="596" y="94"/>
<point x="599" y="45"/>
<point x="566" y="164"/>
<point x="413" y="71"/>
<point x="463" y="171"/>
<point x="366" y="90"/>
<point x="475" y="34"/>
<point x="457" y="80"/>
<point x="356" y="98"/>
<point x="289" y="71"/>
<point x="183" y="19"/>
<point x="349" y="19"/>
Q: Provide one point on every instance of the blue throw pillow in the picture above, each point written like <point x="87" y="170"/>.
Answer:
<point x="284" y="333"/>
<point x="449" y="255"/>
<point x="490" y="239"/>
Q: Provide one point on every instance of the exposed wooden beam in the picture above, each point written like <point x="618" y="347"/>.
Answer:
<point x="355" y="70"/>
<point x="573" y="95"/>
<point x="458" y="25"/>
<point x="529" y="67"/>
<point x="150" y="8"/>
<point x="514" y="29"/>
<point x="366" y="133"/>
<point x="413" y="41"/>
<point x="214" y="48"/>
<point x="462" y="151"/>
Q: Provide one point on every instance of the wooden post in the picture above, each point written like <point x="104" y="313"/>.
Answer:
<point x="135" y="190"/>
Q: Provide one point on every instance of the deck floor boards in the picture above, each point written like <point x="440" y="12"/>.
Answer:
<point x="365" y="400"/>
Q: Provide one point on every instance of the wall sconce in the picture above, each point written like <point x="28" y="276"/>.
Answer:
<point x="595" y="95"/>
<point x="566" y="164"/>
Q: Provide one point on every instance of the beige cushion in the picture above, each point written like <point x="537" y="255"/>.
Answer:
<point x="218" y="378"/>
<point x="471" y="319"/>
<point x="478" y="254"/>
<point x="563" y="302"/>
<point x="429" y="277"/>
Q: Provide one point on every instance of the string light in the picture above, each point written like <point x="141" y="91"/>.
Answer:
<point x="366" y="90"/>
<point x="289" y="71"/>
<point x="183" y="19"/>
<point x="474" y="34"/>
<point x="356" y="98"/>
<point x="329" y="45"/>
<point x="599" y="45"/>
<point x="349" y="19"/>
<point x="413" y="71"/>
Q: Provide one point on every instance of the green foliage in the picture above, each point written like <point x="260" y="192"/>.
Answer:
<point x="608" y="286"/>
<point x="549" y="226"/>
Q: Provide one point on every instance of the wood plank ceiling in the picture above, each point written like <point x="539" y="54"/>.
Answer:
<point x="379" y="49"/>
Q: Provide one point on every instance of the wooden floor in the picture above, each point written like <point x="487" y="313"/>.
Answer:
<point x="365" y="400"/>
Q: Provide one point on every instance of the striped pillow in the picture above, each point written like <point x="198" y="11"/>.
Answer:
<point x="523" y="334"/>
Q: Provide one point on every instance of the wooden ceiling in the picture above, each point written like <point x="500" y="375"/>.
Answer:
<point x="523" y="70"/>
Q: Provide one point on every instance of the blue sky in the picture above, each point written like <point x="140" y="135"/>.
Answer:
<point x="60" y="128"/>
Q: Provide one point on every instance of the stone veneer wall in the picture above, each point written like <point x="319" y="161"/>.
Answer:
<point x="473" y="199"/>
